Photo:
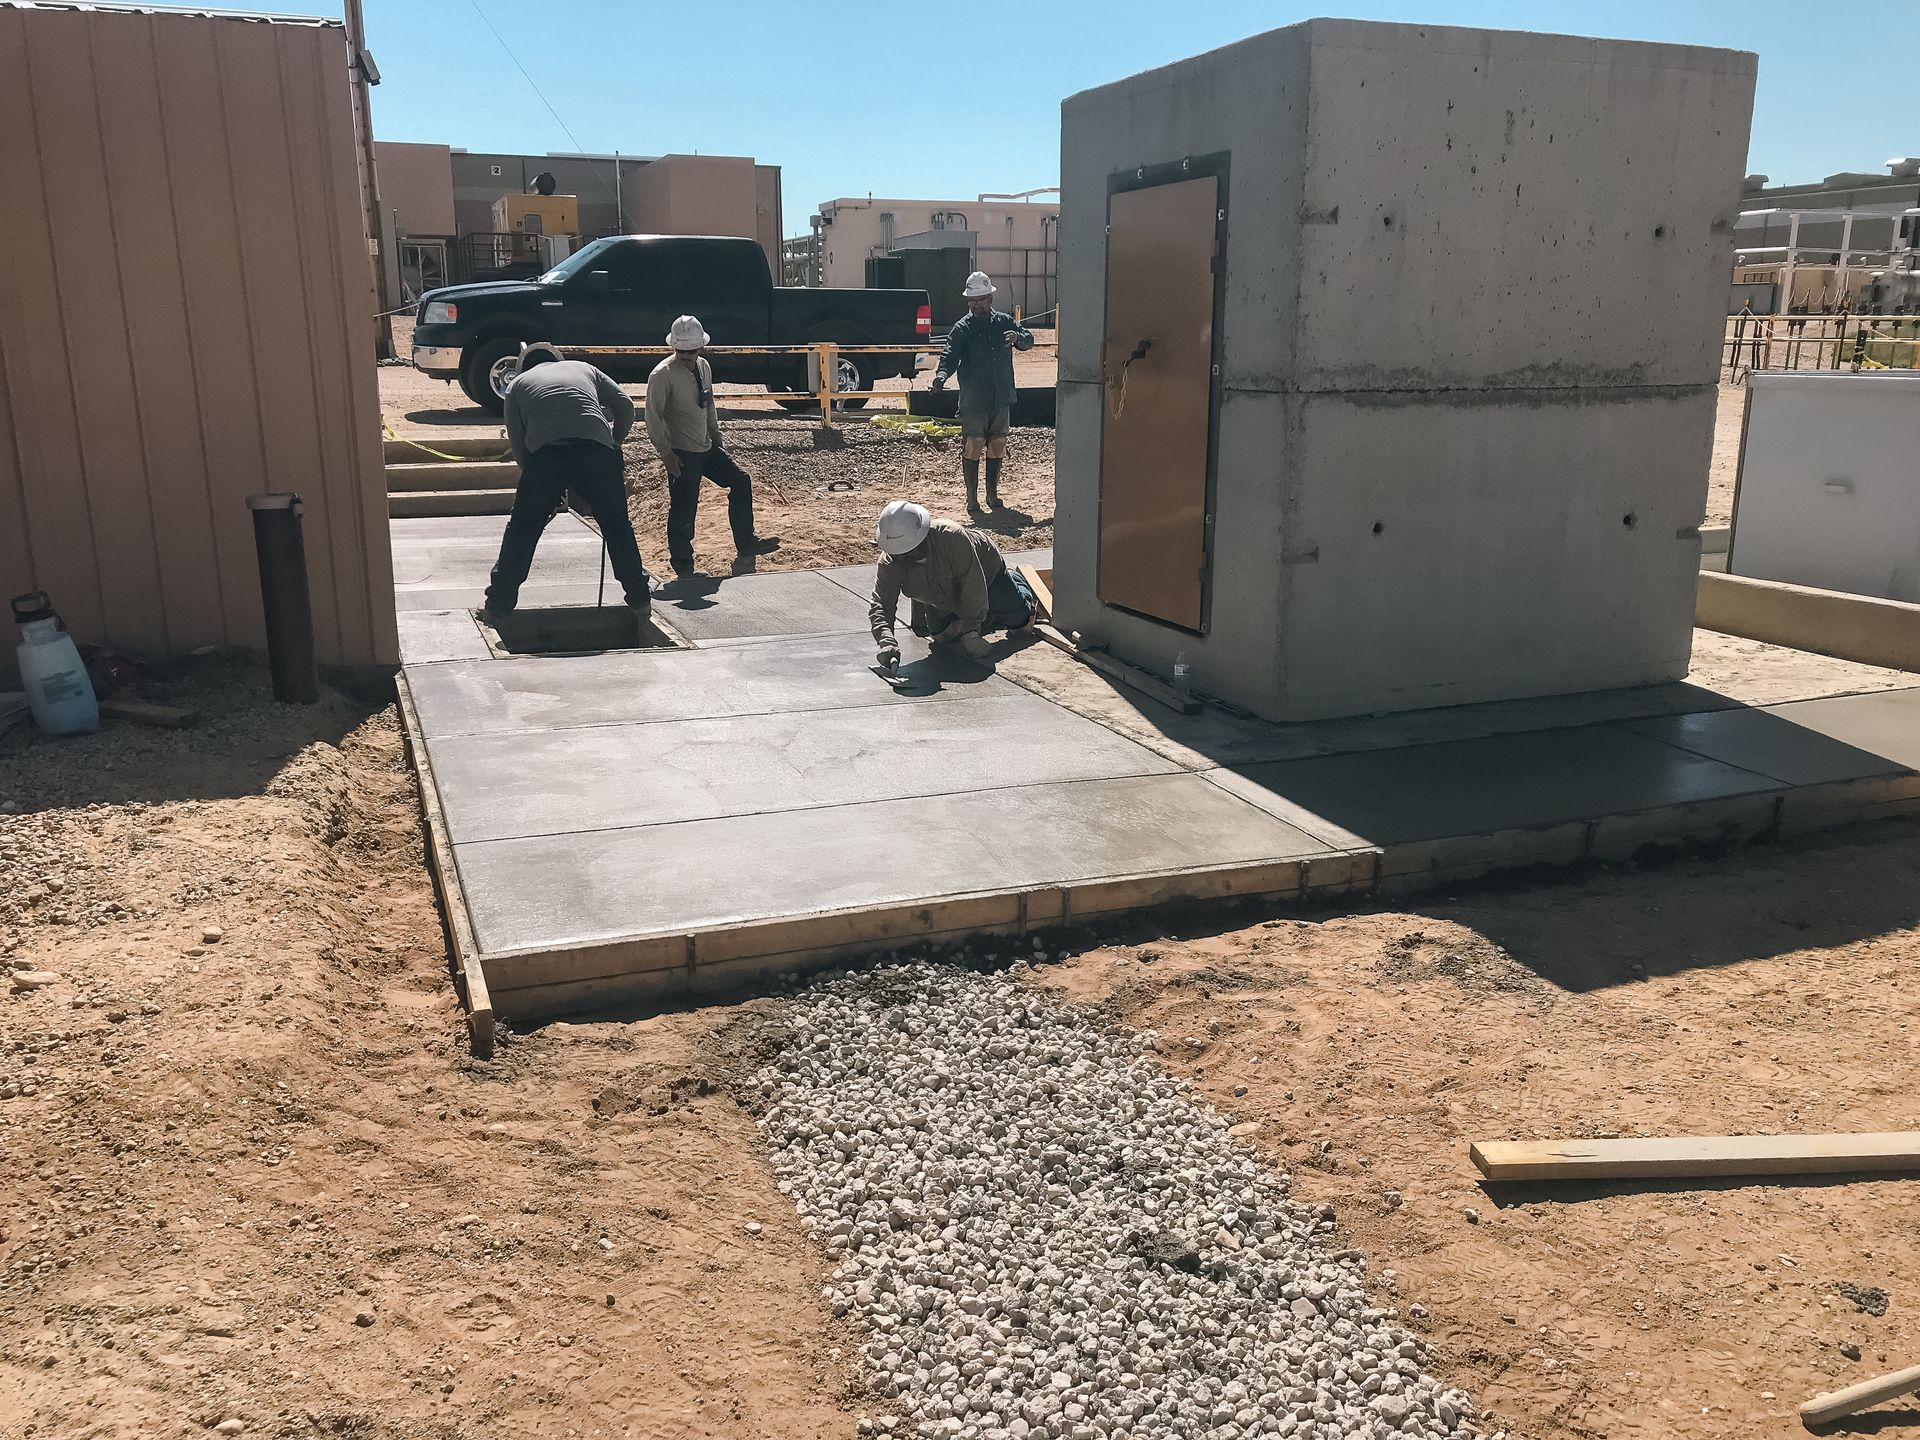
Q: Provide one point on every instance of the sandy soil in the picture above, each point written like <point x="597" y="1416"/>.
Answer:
<point x="260" y="1180"/>
<point x="1728" y="417"/>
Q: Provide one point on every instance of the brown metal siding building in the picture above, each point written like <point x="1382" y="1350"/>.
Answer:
<point x="189" y="302"/>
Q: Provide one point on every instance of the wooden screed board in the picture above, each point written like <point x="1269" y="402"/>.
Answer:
<point x="1157" y="364"/>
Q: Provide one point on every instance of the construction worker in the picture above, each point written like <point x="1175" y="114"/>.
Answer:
<point x="684" y="424"/>
<point x="565" y="423"/>
<point x="959" y="585"/>
<point x="980" y="348"/>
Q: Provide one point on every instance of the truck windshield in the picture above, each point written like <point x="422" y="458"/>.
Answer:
<point x="575" y="263"/>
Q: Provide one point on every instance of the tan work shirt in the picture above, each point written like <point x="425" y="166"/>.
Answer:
<point x="676" y="420"/>
<point x="953" y="576"/>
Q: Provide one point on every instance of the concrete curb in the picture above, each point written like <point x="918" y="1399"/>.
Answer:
<point x="1827" y="622"/>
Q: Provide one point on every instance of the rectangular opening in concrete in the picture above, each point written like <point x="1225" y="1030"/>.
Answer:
<point x="572" y="630"/>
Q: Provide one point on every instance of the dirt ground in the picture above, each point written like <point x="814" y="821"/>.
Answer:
<point x="258" y="1178"/>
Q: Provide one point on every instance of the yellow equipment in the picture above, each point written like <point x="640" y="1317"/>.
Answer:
<point x="537" y="214"/>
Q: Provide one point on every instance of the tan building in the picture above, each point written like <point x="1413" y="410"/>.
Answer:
<point x="1015" y="241"/>
<point x="190" y="311"/>
<point x="443" y="191"/>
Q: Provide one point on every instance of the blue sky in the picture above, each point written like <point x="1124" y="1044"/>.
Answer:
<point x="947" y="100"/>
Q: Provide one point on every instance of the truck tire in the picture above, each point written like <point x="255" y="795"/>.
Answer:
<point x="486" y="371"/>
<point x="856" y="372"/>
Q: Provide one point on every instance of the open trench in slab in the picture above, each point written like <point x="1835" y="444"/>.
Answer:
<point x="1046" y="1235"/>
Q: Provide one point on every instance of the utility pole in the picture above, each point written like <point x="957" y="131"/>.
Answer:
<point x="366" y="75"/>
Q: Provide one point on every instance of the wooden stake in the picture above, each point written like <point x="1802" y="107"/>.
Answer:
<point x="1119" y="670"/>
<point x="1855" y="1398"/>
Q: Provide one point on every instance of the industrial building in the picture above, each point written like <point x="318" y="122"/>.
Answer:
<point x="443" y="201"/>
<point x="1014" y="238"/>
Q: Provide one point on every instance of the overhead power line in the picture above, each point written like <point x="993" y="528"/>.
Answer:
<point x="538" y="91"/>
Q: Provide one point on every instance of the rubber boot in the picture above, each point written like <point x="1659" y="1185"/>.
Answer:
<point x="971" y="468"/>
<point x="993" y="484"/>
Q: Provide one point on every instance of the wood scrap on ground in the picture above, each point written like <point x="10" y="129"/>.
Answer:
<point x="1668" y="1157"/>
<point x="1837" y="1404"/>
<point x="143" y="712"/>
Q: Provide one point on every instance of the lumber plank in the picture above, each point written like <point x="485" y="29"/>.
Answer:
<point x="1042" y="591"/>
<point x="1119" y="670"/>
<point x="144" y="713"/>
<point x="1667" y="1157"/>
<point x="1838" y="1403"/>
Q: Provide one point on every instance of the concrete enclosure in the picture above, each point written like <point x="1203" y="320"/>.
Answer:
<point x="189" y="309"/>
<point x="1466" y="306"/>
<point x="1829" y="492"/>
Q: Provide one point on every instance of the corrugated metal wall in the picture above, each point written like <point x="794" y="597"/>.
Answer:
<point x="187" y="304"/>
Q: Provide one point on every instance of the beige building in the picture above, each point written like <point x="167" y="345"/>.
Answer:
<point x="443" y="191"/>
<point x="1014" y="241"/>
<point x="199" y="304"/>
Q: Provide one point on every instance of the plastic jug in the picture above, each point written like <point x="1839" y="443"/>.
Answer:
<point x="58" y="690"/>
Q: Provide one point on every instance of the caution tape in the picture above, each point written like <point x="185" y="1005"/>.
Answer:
<point x="387" y="430"/>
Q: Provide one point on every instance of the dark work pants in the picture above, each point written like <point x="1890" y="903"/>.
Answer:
<point x="597" y="475"/>
<point x="683" y="500"/>
<point x="1010" y="604"/>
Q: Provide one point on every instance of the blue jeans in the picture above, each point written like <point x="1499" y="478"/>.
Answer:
<point x="1010" y="605"/>
<point x="683" y="501"/>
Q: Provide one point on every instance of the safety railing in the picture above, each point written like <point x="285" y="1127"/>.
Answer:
<point x="822" y="358"/>
<point x="1839" y="341"/>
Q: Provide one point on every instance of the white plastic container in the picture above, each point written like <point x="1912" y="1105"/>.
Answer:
<point x="58" y="690"/>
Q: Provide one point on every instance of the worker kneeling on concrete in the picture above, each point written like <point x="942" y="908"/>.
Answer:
<point x="980" y="347"/>
<point x="959" y="585"/>
<point x="565" y="423"/>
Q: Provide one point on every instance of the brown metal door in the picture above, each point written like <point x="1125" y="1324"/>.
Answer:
<point x="1157" y="365"/>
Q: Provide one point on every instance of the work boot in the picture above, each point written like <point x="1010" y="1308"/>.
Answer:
<point x="993" y="484"/>
<point x="971" y="468"/>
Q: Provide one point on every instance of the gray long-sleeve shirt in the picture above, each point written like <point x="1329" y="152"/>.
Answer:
<point x="953" y="576"/>
<point x="565" y="400"/>
<point x="681" y="414"/>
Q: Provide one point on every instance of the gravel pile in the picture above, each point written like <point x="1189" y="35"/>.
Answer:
<point x="1048" y="1237"/>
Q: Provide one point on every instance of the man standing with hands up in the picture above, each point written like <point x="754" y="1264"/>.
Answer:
<point x="980" y="349"/>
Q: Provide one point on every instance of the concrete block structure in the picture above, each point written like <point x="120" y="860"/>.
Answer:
<point x="1829" y="493"/>
<point x="1388" y="362"/>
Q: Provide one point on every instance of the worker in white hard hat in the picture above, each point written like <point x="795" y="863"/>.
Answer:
<point x="960" y="587"/>
<point x="980" y="350"/>
<point x="684" y="425"/>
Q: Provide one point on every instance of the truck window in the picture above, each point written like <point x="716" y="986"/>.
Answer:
<point x="582" y="260"/>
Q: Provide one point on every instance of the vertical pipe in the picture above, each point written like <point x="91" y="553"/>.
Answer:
<point x="1793" y="256"/>
<point x="281" y="548"/>
<point x="619" y="210"/>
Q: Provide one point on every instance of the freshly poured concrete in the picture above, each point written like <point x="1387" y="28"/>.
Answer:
<point x="630" y="826"/>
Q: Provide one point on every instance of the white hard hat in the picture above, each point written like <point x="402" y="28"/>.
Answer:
<point x="977" y="285"/>
<point x="686" y="334"/>
<point x="902" y="526"/>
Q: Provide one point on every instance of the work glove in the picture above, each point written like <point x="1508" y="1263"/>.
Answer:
<point x="890" y="657"/>
<point x="939" y="381"/>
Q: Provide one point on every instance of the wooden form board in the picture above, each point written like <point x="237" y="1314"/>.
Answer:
<point x="1837" y="1404"/>
<point x="1697" y="1155"/>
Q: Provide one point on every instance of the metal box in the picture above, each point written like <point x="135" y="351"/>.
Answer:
<point x="1459" y="380"/>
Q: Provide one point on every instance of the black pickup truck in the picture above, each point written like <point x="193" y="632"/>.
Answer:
<point x="627" y="289"/>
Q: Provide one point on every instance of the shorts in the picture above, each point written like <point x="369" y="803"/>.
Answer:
<point x="984" y="432"/>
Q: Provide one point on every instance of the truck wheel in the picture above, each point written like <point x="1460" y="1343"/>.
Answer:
<point x="488" y="370"/>
<point x="851" y="372"/>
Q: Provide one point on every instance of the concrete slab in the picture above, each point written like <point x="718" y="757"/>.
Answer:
<point x="431" y="636"/>
<point x="567" y="889"/>
<point x="1794" y="744"/>
<point x="601" y="777"/>
<point x="1508" y="782"/>
<point x="810" y="673"/>
<point x="791" y="602"/>
<point x="532" y="595"/>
